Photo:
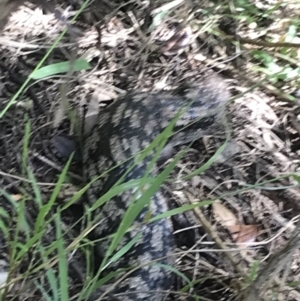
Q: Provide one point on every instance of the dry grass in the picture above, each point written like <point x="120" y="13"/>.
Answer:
<point x="254" y="45"/>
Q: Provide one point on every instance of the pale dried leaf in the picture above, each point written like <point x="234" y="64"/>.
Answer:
<point x="177" y="42"/>
<point x="223" y="215"/>
<point x="59" y="114"/>
<point x="16" y="197"/>
<point x="92" y="113"/>
<point x="161" y="84"/>
<point x="104" y="94"/>
<point x="200" y="57"/>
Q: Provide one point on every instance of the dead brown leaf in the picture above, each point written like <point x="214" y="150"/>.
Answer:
<point x="240" y="233"/>
<point x="243" y="233"/>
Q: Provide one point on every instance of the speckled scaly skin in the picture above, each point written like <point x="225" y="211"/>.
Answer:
<point x="124" y="129"/>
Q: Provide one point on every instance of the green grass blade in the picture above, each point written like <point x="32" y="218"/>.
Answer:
<point x="135" y="208"/>
<point x="95" y="284"/>
<point x="29" y="243"/>
<point x="123" y="250"/>
<point x="116" y="190"/>
<point x="254" y="270"/>
<point x="44" y="210"/>
<point x="181" y="209"/>
<point x="211" y="160"/>
<point x="62" y="67"/>
<point x="38" y="197"/>
<point x="62" y="261"/>
<point x="43" y="291"/>
<point x="181" y="275"/>
<point x="51" y="276"/>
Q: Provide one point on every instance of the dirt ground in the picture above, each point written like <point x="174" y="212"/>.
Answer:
<point x="153" y="46"/>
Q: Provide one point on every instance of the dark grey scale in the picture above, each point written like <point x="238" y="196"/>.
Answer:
<point x="63" y="146"/>
<point x="118" y="138"/>
<point x="124" y="129"/>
